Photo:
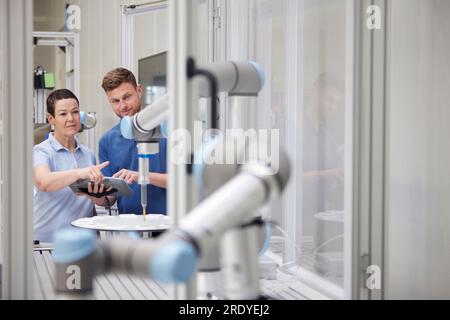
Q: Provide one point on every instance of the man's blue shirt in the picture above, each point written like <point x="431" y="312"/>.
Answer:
<point x="122" y="154"/>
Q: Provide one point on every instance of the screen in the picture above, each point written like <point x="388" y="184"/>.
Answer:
<point x="152" y="76"/>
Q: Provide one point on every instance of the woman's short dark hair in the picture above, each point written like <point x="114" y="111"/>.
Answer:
<point x="57" y="95"/>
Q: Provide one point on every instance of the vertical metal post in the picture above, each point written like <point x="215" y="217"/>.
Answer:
<point x="70" y="65"/>
<point x="127" y="15"/>
<point x="294" y="108"/>
<point x="182" y="102"/>
<point x="126" y="39"/>
<point x="378" y="208"/>
<point x="91" y="137"/>
<point x="351" y="230"/>
<point x="76" y="63"/>
<point x="369" y="169"/>
<point x="17" y="242"/>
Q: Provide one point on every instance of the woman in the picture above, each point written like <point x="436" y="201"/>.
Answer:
<point x="58" y="162"/>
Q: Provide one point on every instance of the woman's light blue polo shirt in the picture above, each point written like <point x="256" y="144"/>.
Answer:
<point x="55" y="210"/>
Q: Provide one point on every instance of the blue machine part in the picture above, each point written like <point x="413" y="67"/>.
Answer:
<point x="266" y="243"/>
<point x="164" y="127"/>
<point x="174" y="263"/>
<point x="126" y="127"/>
<point x="200" y="155"/>
<point x="262" y="76"/>
<point x="72" y="244"/>
<point x="82" y="116"/>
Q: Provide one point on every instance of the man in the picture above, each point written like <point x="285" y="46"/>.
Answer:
<point x="124" y="95"/>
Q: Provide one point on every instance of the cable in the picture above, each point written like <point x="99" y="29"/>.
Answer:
<point x="108" y="206"/>
<point x="285" y="236"/>
<point x="327" y="242"/>
<point x="292" y="268"/>
<point x="193" y="71"/>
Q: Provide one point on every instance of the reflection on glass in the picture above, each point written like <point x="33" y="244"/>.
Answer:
<point x="153" y="93"/>
<point x="323" y="178"/>
<point x="321" y="225"/>
<point x="316" y="125"/>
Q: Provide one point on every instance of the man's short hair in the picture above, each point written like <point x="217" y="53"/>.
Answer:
<point x="116" y="77"/>
<point x="57" y="95"/>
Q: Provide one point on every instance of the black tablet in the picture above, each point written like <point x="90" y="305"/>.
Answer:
<point x="119" y="186"/>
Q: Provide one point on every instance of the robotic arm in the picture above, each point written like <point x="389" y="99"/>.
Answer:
<point x="173" y="256"/>
<point x="236" y="78"/>
<point x="147" y="126"/>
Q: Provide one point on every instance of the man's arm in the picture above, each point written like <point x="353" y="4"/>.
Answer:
<point x="158" y="179"/>
<point x="130" y="176"/>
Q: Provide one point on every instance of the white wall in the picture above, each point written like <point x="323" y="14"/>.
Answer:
<point x="419" y="220"/>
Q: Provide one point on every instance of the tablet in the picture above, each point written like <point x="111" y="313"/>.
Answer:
<point x="118" y="185"/>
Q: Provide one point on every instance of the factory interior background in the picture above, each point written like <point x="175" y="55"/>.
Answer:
<point x="358" y="91"/>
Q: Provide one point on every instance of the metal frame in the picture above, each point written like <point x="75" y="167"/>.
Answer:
<point x="71" y="40"/>
<point x="2" y="104"/>
<point x="217" y="43"/>
<point x="217" y="30"/>
<point x="378" y="208"/>
<point x="128" y="13"/>
<point x="294" y="98"/>
<point x="240" y="30"/>
<point x="17" y="245"/>
<point x="370" y="136"/>
<point x="182" y="190"/>
<point x="350" y="238"/>
<point x="351" y="233"/>
<point x="293" y="50"/>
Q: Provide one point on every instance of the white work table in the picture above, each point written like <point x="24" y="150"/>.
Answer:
<point x="115" y="286"/>
<point x="111" y="286"/>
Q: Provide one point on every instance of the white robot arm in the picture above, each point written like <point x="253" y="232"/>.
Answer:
<point x="173" y="256"/>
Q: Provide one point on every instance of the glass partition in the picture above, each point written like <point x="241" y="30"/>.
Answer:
<point x="302" y="46"/>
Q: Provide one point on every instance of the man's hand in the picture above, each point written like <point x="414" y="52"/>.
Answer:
<point x="129" y="176"/>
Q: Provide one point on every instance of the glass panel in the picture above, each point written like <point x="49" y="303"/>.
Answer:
<point x="150" y="32"/>
<point x="150" y="39"/>
<point x="322" y="67"/>
<point x="2" y="87"/>
<point x="271" y="53"/>
<point x="317" y="124"/>
<point x="418" y="157"/>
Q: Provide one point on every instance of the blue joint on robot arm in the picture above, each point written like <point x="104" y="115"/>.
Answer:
<point x="200" y="155"/>
<point x="174" y="262"/>
<point x="164" y="127"/>
<point x="266" y="243"/>
<point x="126" y="127"/>
<point x="73" y="244"/>
<point x="260" y="70"/>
